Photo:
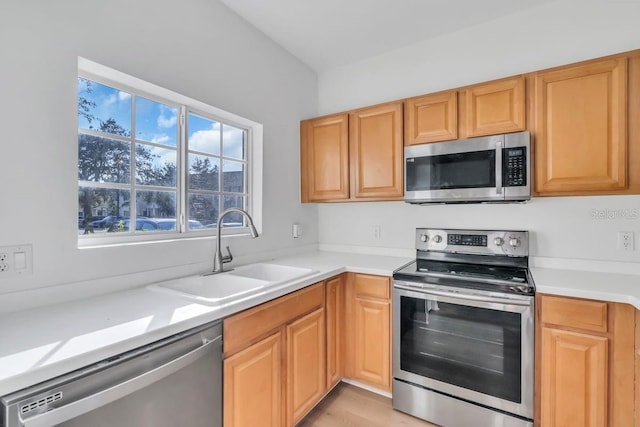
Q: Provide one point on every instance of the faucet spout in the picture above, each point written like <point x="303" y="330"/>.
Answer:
<point x="218" y="258"/>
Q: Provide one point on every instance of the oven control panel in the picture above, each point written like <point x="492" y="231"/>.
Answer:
<point x="481" y="242"/>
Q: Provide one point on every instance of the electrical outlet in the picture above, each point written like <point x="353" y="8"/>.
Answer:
<point x="16" y="261"/>
<point x="626" y="241"/>
<point x="296" y="230"/>
<point x="376" y="232"/>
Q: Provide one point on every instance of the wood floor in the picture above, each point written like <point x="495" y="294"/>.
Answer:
<point x="350" y="406"/>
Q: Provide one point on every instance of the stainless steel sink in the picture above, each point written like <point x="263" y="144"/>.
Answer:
<point x="217" y="289"/>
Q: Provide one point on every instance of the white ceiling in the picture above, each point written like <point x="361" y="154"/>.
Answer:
<point x="329" y="33"/>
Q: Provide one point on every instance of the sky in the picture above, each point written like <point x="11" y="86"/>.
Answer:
<point x="158" y="123"/>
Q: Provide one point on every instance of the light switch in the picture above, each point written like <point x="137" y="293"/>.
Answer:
<point x="19" y="260"/>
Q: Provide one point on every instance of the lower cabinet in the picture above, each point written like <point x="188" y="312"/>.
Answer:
<point x="368" y="315"/>
<point x="305" y="363"/>
<point x="585" y="363"/>
<point x="574" y="386"/>
<point x="282" y="357"/>
<point x="334" y="307"/>
<point x="253" y="385"/>
<point x="274" y="366"/>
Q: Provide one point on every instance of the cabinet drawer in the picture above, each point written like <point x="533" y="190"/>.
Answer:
<point x="246" y="327"/>
<point x="367" y="285"/>
<point x="575" y="313"/>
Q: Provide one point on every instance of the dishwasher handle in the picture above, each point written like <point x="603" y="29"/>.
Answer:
<point x="104" y="397"/>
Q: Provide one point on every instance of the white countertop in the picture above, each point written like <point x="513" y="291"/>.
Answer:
<point x="42" y="343"/>
<point x="613" y="287"/>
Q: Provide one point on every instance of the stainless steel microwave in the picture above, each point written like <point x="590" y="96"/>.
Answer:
<point x="486" y="169"/>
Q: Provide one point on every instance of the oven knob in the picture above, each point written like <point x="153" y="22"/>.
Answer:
<point x="498" y="241"/>
<point x="514" y="241"/>
<point x="437" y="238"/>
<point x="424" y="238"/>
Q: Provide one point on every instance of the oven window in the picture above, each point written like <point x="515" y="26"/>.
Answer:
<point x="476" y="169"/>
<point x="475" y="348"/>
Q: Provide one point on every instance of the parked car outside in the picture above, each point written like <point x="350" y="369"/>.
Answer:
<point x="152" y="224"/>
<point x="106" y="222"/>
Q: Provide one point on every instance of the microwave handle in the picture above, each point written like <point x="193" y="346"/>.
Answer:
<point x="499" y="167"/>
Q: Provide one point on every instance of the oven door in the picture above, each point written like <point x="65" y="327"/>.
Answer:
<point x="474" y="346"/>
<point x="457" y="171"/>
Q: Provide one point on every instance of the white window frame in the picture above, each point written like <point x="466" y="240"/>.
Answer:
<point x="254" y="156"/>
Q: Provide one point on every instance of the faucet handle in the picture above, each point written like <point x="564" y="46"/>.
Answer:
<point x="227" y="258"/>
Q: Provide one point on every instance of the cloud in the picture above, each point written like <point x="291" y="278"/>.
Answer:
<point x="161" y="139"/>
<point x="233" y="141"/>
<point x="207" y="141"/>
<point x="165" y="122"/>
<point x="123" y="96"/>
<point x="109" y="100"/>
<point x="163" y="156"/>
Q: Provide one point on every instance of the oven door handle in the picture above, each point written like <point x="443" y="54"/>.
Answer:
<point x="467" y="297"/>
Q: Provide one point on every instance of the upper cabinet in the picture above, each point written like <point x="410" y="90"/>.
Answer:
<point x="582" y="119"/>
<point x="375" y="152"/>
<point x="581" y="127"/>
<point x="495" y="107"/>
<point x="324" y="158"/>
<point x="483" y="109"/>
<point x="431" y="118"/>
<point x="353" y="156"/>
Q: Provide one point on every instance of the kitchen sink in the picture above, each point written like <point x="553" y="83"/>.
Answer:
<point x="213" y="289"/>
<point x="217" y="289"/>
<point x="272" y="273"/>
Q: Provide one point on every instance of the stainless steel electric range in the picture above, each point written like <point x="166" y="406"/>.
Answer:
<point x="463" y="329"/>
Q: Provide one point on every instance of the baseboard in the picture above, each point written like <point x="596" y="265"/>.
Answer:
<point x="367" y="387"/>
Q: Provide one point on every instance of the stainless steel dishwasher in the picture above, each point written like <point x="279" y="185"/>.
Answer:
<point x="173" y="382"/>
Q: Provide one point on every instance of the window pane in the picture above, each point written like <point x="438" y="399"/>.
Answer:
<point x="101" y="209"/>
<point x="156" y="205"/>
<point x="103" y="108"/>
<point x="233" y="219"/>
<point x="156" y="122"/>
<point x="103" y="159"/>
<point x="203" y="172"/>
<point x="233" y="142"/>
<point x="204" y="135"/>
<point x="203" y="208"/>
<point x="232" y="176"/>
<point x="156" y="166"/>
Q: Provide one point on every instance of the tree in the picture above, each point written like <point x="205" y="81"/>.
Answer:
<point x="203" y="176"/>
<point x="105" y="159"/>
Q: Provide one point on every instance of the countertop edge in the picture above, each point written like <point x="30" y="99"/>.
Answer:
<point x="182" y="316"/>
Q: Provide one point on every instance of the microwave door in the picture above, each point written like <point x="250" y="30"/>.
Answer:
<point x="462" y="176"/>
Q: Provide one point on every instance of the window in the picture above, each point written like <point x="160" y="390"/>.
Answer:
<point x="156" y="165"/>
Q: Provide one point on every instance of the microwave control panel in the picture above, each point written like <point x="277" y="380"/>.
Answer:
<point x="515" y="167"/>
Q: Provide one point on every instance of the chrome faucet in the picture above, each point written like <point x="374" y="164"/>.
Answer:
<point x="218" y="258"/>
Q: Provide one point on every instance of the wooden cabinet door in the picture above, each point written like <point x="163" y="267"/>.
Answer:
<point x="581" y="127"/>
<point x="324" y="158"/>
<point x="376" y="152"/>
<point x="253" y="385"/>
<point x="335" y="327"/>
<point x="306" y="375"/>
<point x="372" y="351"/>
<point x="495" y="107"/>
<point x="431" y="118"/>
<point x="574" y="371"/>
